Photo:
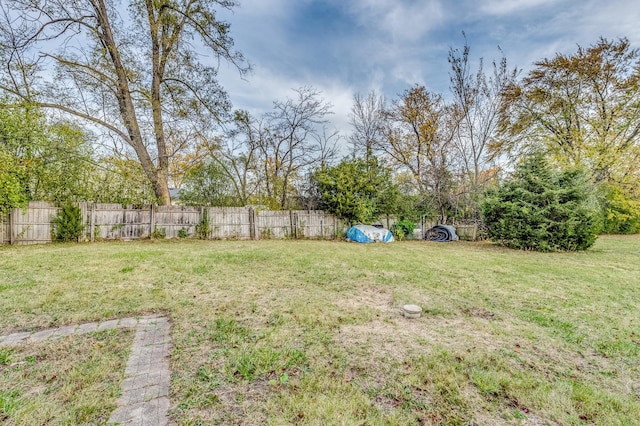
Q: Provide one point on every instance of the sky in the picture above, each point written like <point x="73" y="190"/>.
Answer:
<point x="342" y="47"/>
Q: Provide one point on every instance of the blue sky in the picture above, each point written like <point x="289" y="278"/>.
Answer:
<point x="341" y="47"/>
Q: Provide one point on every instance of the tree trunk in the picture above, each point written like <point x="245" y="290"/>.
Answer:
<point x="127" y="109"/>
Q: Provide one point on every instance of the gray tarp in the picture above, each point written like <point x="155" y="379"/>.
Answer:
<point x="441" y="233"/>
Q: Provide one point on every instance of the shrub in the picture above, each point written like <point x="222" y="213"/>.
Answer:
<point x="67" y="224"/>
<point x="541" y="209"/>
<point x="621" y="211"/>
<point x="403" y="229"/>
<point x="203" y="228"/>
<point x="159" y="234"/>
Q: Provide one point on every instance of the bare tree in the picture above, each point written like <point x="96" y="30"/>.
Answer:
<point x="137" y="79"/>
<point x="477" y="97"/>
<point x="367" y="120"/>
<point x="237" y="153"/>
<point x="291" y="143"/>
<point x="419" y="129"/>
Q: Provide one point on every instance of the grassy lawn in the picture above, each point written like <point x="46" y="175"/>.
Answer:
<point x="309" y="332"/>
<point x="69" y="381"/>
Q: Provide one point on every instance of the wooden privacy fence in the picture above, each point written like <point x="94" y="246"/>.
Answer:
<point x="33" y="225"/>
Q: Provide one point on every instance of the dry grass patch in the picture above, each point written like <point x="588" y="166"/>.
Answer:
<point x="70" y="381"/>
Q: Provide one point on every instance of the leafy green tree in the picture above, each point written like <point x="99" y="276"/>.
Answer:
<point x="139" y="78"/>
<point x="63" y="165"/>
<point x="621" y="212"/>
<point x="120" y="180"/>
<point x="583" y="109"/>
<point x="12" y="175"/>
<point x="21" y="132"/>
<point x="542" y="209"/>
<point x="41" y="160"/>
<point x="208" y="184"/>
<point x="357" y="191"/>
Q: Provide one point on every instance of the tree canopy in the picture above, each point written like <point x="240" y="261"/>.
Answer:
<point x="139" y="78"/>
<point x="357" y="190"/>
<point x="583" y="109"/>
<point x="41" y="160"/>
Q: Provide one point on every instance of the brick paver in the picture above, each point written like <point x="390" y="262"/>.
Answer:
<point x="145" y="389"/>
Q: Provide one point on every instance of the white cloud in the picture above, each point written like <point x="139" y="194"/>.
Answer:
<point x="264" y="86"/>
<point x="401" y="20"/>
<point x="508" y="7"/>
<point x="265" y="9"/>
<point x="613" y="19"/>
<point x="392" y="44"/>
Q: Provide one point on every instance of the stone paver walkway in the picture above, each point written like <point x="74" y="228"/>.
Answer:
<point x="145" y="389"/>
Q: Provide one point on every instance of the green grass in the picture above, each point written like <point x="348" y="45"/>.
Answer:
<point x="309" y="332"/>
<point x="72" y="381"/>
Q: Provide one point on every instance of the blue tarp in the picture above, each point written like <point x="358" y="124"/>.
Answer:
<point x="369" y="234"/>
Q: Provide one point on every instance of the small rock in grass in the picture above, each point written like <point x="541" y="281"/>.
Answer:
<point x="411" y="311"/>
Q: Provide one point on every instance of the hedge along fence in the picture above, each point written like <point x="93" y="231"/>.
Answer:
<point x="33" y="224"/>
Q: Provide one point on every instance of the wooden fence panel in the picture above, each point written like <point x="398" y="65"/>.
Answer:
<point x="4" y="230"/>
<point x="273" y="224"/>
<point x="33" y="224"/>
<point x="230" y="223"/>
<point x="114" y="221"/>
<point x="108" y="221"/>
<point x="174" y="218"/>
<point x="467" y="232"/>
<point x="137" y="223"/>
<point x="317" y="224"/>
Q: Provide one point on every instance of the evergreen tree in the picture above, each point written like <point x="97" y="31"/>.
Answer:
<point x="541" y="209"/>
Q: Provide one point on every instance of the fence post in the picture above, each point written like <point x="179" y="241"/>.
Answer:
<point x="152" y="220"/>
<point x="124" y="221"/>
<point x="252" y="223"/>
<point x="293" y="220"/>
<point x="92" y="223"/>
<point x="12" y="225"/>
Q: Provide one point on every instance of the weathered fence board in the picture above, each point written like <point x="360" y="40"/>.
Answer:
<point x="273" y="224"/>
<point x="230" y="223"/>
<point x="4" y="230"/>
<point x="467" y="232"/>
<point x="317" y="224"/>
<point x="172" y="219"/>
<point x="33" y="224"/>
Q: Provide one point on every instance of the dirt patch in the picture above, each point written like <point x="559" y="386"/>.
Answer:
<point x="238" y="402"/>
<point x="480" y="313"/>
<point x="389" y="334"/>
<point x="378" y="299"/>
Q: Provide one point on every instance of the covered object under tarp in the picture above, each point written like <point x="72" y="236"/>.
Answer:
<point x="369" y="234"/>
<point x="441" y="233"/>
